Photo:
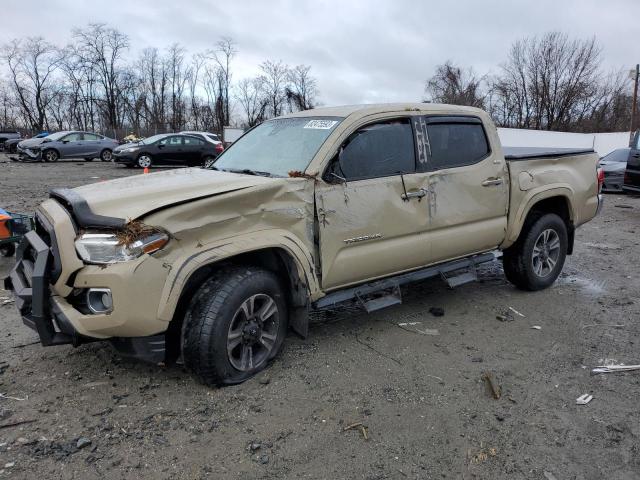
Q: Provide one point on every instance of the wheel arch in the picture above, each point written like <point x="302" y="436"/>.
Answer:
<point x="558" y="201"/>
<point x="278" y="259"/>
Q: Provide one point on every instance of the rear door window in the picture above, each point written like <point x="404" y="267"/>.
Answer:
<point x="192" y="141"/>
<point x="377" y="150"/>
<point x="454" y="144"/>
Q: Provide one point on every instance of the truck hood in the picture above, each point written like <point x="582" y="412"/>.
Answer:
<point x="132" y="197"/>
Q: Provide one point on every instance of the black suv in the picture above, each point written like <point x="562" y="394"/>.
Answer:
<point x="632" y="174"/>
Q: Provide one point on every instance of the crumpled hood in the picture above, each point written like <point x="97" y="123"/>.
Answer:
<point x="131" y="197"/>
<point x="31" y="142"/>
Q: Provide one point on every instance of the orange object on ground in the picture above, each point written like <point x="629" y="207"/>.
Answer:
<point x="146" y="170"/>
<point x="4" y="228"/>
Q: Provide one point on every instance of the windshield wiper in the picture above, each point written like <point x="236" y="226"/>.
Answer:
<point x="252" y="172"/>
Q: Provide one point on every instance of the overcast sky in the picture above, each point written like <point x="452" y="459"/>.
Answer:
<point x="360" y="51"/>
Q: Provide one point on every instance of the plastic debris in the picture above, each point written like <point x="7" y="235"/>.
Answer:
<point x="614" y="368"/>
<point x="516" y="312"/>
<point x="536" y="327"/>
<point x="584" y="399"/>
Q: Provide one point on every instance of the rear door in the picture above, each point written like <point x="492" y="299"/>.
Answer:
<point x="371" y="210"/>
<point x="193" y="150"/>
<point x="468" y="187"/>
<point x="91" y="145"/>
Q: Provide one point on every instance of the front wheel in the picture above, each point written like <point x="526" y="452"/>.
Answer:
<point x="144" y="161"/>
<point x="50" y="156"/>
<point x="235" y="325"/>
<point x="536" y="259"/>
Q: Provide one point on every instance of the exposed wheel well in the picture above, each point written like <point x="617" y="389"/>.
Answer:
<point x="276" y="260"/>
<point x="558" y="205"/>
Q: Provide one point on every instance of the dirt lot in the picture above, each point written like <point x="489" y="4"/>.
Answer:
<point x="414" y="380"/>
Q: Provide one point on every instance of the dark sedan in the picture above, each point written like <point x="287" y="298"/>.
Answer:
<point x="632" y="174"/>
<point x="166" y="149"/>
<point x="614" y="165"/>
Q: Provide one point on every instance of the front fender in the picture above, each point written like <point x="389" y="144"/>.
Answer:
<point x="185" y="266"/>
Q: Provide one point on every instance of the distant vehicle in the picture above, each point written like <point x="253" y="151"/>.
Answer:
<point x="68" y="144"/>
<point x="6" y="135"/>
<point x="11" y="146"/>
<point x="167" y="149"/>
<point x="614" y="165"/>
<point x="208" y="137"/>
<point x="632" y="173"/>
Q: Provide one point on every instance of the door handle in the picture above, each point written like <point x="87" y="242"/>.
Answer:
<point x="422" y="192"/>
<point x="490" y="182"/>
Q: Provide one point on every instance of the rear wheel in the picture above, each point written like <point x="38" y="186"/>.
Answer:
<point x="536" y="259"/>
<point x="7" y="250"/>
<point x="208" y="162"/>
<point x="144" y="161"/>
<point x="235" y="325"/>
<point x="106" y="155"/>
<point x="50" y="156"/>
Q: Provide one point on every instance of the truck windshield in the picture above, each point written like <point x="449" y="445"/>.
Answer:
<point x="278" y="146"/>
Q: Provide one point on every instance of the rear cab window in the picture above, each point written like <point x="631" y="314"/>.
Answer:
<point x="450" y="142"/>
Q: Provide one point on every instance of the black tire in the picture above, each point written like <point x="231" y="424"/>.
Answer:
<point x="217" y="307"/>
<point x="208" y="161"/>
<point x="7" y="250"/>
<point x="144" y="160"/>
<point x="106" y="155"/>
<point x="88" y="159"/>
<point x="50" y="156"/>
<point x="535" y="271"/>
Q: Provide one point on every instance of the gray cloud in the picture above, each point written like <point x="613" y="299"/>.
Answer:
<point x="365" y="51"/>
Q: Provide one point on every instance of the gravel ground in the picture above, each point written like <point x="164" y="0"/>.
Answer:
<point x="412" y="378"/>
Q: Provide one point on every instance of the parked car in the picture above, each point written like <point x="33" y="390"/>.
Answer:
<point x="208" y="137"/>
<point x="11" y="146"/>
<point x="303" y="212"/>
<point x="166" y="149"/>
<point x="632" y="173"/>
<point x="68" y="144"/>
<point x="6" y="135"/>
<point x="614" y="165"/>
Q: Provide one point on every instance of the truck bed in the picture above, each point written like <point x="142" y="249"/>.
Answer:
<point x="529" y="153"/>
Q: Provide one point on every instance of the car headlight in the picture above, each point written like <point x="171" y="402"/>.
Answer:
<point x="104" y="248"/>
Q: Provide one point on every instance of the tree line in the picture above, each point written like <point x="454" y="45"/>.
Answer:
<point x="92" y="84"/>
<point x="550" y="82"/>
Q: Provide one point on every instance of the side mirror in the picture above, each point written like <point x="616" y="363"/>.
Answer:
<point x="65" y="141"/>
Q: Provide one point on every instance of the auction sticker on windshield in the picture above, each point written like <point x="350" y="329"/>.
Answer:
<point x="320" y="124"/>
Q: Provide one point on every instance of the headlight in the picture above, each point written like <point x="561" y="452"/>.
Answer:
<point x="103" y="248"/>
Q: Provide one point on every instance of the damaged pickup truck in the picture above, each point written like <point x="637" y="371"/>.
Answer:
<point x="214" y="265"/>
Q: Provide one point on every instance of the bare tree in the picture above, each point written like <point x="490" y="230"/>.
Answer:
<point x="32" y="64"/>
<point x="301" y="91"/>
<point x="274" y="80"/>
<point x="250" y="95"/>
<point x="102" y="49"/>
<point x="547" y="82"/>
<point x="450" y="84"/>
<point x="224" y="53"/>
<point x="177" y="80"/>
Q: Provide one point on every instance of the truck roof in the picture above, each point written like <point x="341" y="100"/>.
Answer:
<point x="368" y="109"/>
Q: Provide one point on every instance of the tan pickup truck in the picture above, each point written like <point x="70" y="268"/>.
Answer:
<point x="213" y="265"/>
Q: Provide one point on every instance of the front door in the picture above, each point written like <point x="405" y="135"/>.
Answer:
<point x="170" y="150"/>
<point x="372" y="208"/>
<point x="71" y="145"/>
<point x="468" y="187"/>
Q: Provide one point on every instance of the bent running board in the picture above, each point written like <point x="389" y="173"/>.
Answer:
<point x="442" y="269"/>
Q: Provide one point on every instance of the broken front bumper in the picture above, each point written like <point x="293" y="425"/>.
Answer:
<point x="41" y="267"/>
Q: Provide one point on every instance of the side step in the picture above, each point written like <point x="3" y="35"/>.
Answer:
<point x="360" y="292"/>
<point x="380" y="302"/>
<point x="459" y="277"/>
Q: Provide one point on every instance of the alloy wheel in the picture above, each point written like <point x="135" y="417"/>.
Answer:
<point x="253" y="332"/>
<point x="546" y="252"/>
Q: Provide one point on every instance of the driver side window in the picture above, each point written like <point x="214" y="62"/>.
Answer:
<point x="377" y="150"/>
